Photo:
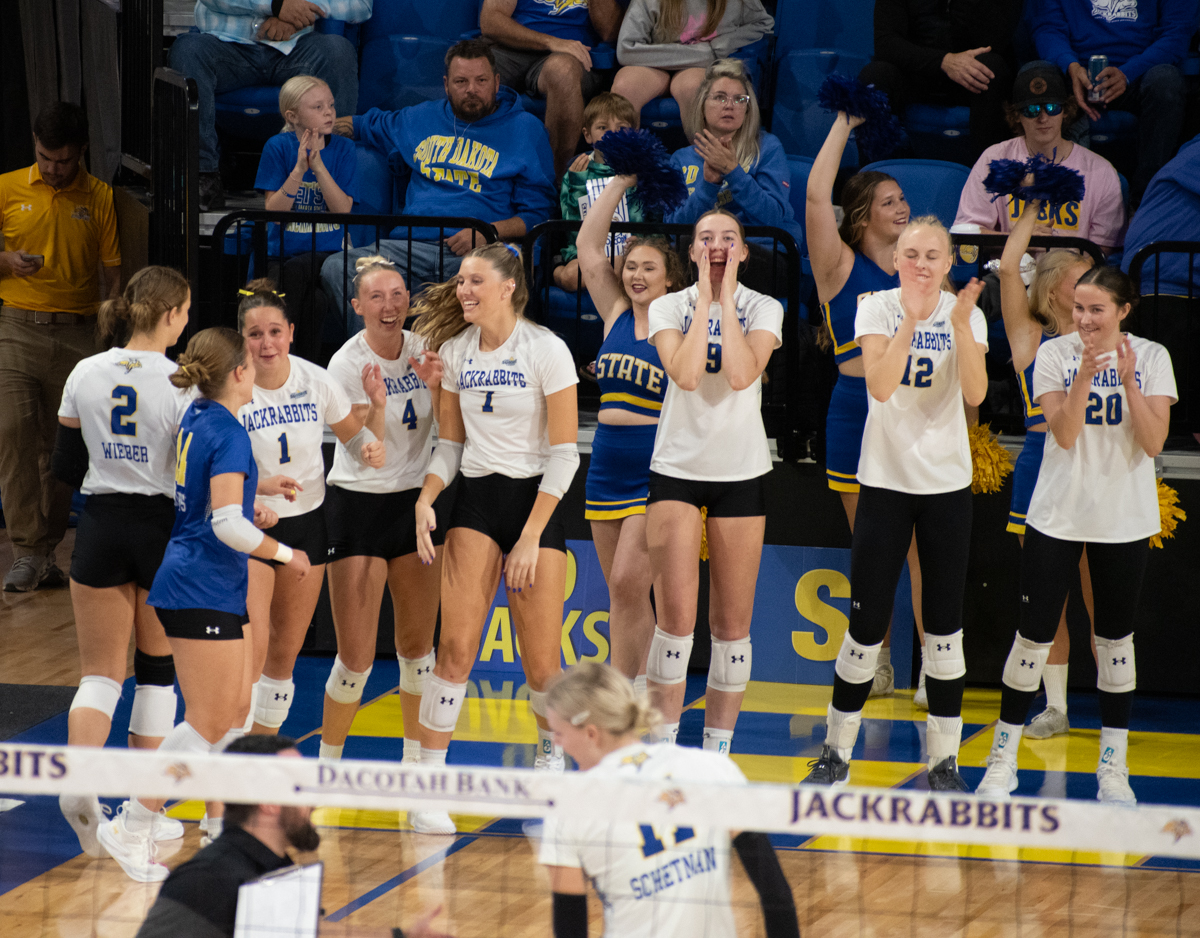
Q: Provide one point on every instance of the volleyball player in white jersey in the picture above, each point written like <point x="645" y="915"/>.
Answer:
<point x="508" y="419"/>
<point x="653" y="882"/>
<point x="923" y="351"/>
<point x="294" y="400"/>
<point x="116" y="442"/>
<point x="710" y="452"/>
<point x="384" y="371"/>
<point x="1107" y="397"/>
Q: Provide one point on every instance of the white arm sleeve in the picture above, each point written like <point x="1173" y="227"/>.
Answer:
<point x="446" y="459"/>
<point x="232" y="529"/>
<point x="560" y="470"/>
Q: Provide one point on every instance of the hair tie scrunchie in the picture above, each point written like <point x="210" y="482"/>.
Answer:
<point x="244" y="292"/>
<point x="513" y="250"/>
<point x="183" y="370"/>
<point x="1053" y="183"/>
<point x="880" y="133"/>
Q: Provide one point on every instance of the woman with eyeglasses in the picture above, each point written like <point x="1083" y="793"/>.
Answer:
<point x="736" y="165"/>
<point x="1041" y="107"/>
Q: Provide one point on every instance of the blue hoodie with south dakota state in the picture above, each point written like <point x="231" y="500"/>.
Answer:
<point x="497" y="167"/>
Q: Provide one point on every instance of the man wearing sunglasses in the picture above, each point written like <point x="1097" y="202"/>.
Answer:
<point x="1041" y="107"/>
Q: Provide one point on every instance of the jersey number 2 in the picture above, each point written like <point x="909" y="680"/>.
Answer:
<point x="652" y="843"/>
<point x="128" y="397"/>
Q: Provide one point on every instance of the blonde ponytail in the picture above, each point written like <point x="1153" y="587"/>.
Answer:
<point x="599" y="695"/>
<point x="209" y="360"/>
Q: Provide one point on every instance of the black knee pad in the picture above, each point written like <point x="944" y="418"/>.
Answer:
<point x="153" y="669"/>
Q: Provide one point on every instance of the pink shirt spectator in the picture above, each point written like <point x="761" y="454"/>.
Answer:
<point x="1100" y="217"/>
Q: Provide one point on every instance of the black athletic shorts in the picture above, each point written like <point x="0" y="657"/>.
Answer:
<point x="498" y="506"/>
<point x="741" y="499"/>
<point x="207" y="624"/>
<point x="304" y="532"/>
<point x="520" y="69"/>
<point x="366" y="524"/>
<point x="121" y="539"/>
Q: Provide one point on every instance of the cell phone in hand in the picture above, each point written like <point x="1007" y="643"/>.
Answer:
<point x="39" y="259"/>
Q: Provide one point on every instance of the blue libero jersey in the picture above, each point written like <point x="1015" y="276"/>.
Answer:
<point x="198" y="571"/>
<point x="629" y="370"/>
<point x="866" y="277"/>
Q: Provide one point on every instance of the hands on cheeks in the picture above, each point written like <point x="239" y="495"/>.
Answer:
<point x="521" y="564"/>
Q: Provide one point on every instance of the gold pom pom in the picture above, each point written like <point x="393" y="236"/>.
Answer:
<point x="1169" y="513"/>
<point x="703" y="533"/>
<point x="991" y="463"/>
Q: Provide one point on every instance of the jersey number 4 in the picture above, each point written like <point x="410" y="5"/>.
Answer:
<point x="409" y="417"/>
<point x="923" y="377"/>
<point x="1111" y="407"/>
<point x="652" y="843"/>
<point x="128" y="398"/>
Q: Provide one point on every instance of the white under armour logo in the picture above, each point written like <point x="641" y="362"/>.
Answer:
<point x="26" y="206"/>
<point x="212" y="630"/>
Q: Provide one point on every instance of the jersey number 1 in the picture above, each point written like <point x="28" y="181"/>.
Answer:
<point x="487" y="402"/>
<point x="128" y="398"/>
<point x="283" y="450"/>
<point x="652" y="843"/>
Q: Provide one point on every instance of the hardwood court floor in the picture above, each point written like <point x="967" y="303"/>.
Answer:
<point x="379" y="874"/>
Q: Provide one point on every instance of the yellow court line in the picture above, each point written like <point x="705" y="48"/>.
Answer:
<point x="971" y="851"/>
<point x="1167" y="755"/>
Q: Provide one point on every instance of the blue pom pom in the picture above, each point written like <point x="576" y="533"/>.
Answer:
<point x="639" y="153"/>
<point x="880" y="133"/>
<point x="1004" y="177"/>
<point x="1053" y="183"/>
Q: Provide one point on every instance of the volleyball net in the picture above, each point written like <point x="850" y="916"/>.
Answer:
<point x="859" y="861"/>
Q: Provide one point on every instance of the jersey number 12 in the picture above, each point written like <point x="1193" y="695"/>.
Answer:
<point x="923" y="377"/>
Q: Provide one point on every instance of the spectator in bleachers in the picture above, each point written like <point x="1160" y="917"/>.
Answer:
<point x="1145" y="44"/>
<point x="665" y="46"/>
<point x="495" y="165"/>
<point x="958" y="54"/>
<point x="586" y="178"/>
<point x="1038" y="91"/>
<point x="543" y="50"/>
<point x="235" y="45"/>
<point x="1170" y="211"/>
<point x="736" y="165"/>
<point x="59" y="233"/>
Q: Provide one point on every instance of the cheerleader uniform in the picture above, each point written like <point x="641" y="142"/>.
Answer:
<point x="128" y="411"/>
<point x="711" y="448"/>
<point x="200" y="588"/>
<point x="502" y="395"/>
<point x="847" y="413"/>
<point x="1029" y="462"/>
<point x="287" y="427"/>
<point x="1101" y="493"/>
<point x="370" y="511"/>
<point x="631" y="378"/>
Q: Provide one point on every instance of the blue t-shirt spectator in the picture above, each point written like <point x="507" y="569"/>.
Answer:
<point x="566" y="19"/>
<point x="278" y="161"/>
<point x="1170" y="211"/>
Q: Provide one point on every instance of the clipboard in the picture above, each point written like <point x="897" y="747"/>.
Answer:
<point x="284" y="904"/>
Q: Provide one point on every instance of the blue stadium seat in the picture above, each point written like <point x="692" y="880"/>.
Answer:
<point x="937" y="132"/>
<point x="932" y="187"/>
<point x="401" y="70"/>
<point x="381" y="190"/>
<point x="797" y="119"/>
<point x="846" y="25"/>
<point x="445" y="19"/>
<point x="799" y="167"/>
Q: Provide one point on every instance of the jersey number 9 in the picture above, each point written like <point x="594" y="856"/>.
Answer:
<point x="128" y="398"/>
<point x="713" y="365"/>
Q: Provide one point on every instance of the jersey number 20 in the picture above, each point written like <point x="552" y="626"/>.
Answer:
<point x="652" y="843"/>
<point x="1111" y="406"/>
<point x="128" y="398"/>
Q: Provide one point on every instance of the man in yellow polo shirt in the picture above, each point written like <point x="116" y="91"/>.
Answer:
<point x="61" y="257"/>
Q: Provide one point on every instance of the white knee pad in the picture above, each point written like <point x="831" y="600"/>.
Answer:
<point x="273" y="701"/>
<point x="537" y="701"/>
<point x="440" y="705"/>
<point x="97" y="693"/>
<point x="345" y="686"/>
<point x="1025" y="664"/>
<point x="185" y="738"/>
<point x="153" y="710"/>
<point x="414" y="673"/>
<point x="669" y="655"/>
<point x="729" y="667"/>
<point x="856" y="663"/>
<point x="1115" y="666"/>
<point x="944" y="659"/>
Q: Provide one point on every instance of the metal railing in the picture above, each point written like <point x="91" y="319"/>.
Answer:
<point x="785" y="415"/>
<point x="175" y="160"/>
<point x="141" y="57"/>
<point x="989" y="246"/>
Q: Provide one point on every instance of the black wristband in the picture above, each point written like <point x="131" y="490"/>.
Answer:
<point x="69" y="460"/>
<point x="276" y="7"/>
<point x="570" y="915"/>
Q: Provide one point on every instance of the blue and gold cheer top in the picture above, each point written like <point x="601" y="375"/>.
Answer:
<point x="630" y="372"/>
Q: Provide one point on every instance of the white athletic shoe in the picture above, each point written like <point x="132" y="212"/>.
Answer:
<point x="1050" y="722"/>
<point x="135" y="852"/>
<point x="1000" y="779"/>
<point x="166" y="828"/>
<point x="884" y="683"/>
<point x="431" y="822"/>
<point x="1114" y="786"/>
<point x="553" y="764"/>
<point x="85" y="814"/>
<point x="920" y="698"/>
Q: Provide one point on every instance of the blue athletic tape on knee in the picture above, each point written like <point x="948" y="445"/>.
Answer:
<point x="1116" y="670"/>
<point x="855" y="662"/>
<point x="153" y="710"/>
<point x="1026" y="661"/>
<point x="97" y="693"/>
<point x="273" y="701"/>
<point x="440" y="705"/>
<point x="414" y="673"/>
<point x="729" y="666"/>
<point x="669" y="655"/>
<point x="345" y="686"/>
<point x="560" y="469"/>
<point x="944" y="659"/>
<point x="153" y="669"/>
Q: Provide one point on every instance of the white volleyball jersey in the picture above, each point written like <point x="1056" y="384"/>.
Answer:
<point x="916" y="441"/>
<point x="408" y="418"/>
<point x="714" y="433"/>
<point x="1102" y="489"/>
<point x="502" y="395"/>
<point x="654" y="882"/>
<point x="287" y="426"/>
<point x="129" y="412"/>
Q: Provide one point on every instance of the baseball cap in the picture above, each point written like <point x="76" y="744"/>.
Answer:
<point x="1038" y="85"/>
